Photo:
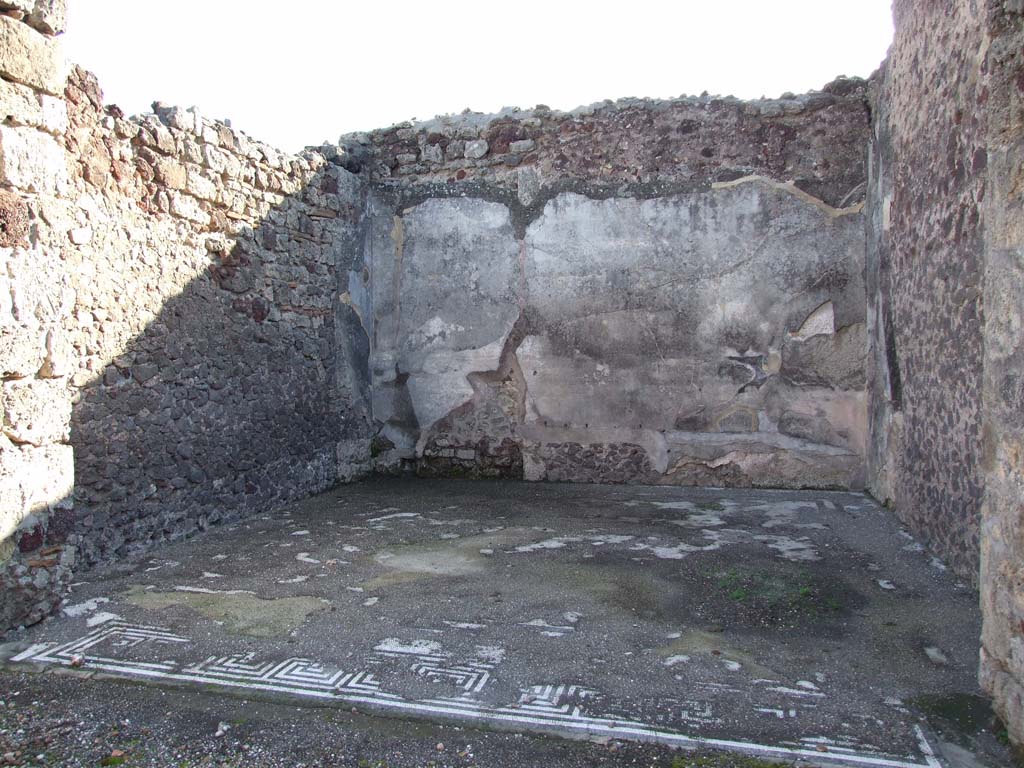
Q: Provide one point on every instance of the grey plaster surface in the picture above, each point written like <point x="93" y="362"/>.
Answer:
<point x="793" y="625"/>
<point x="720" y="332"/>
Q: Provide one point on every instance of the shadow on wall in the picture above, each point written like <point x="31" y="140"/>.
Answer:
<point x="218" y="372"/>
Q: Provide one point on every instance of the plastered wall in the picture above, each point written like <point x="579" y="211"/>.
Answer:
<point x="647" y="292"/>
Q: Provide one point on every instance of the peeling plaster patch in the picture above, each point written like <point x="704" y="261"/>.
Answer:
<point x="101" y="618"/>
<point x="492" y="654"/>
<point x="163" y="564"/>
<point x="684" y="506"/>
<point x="81" y="609"/>
<point x="795" y="550"/>
<point x="240" y="613"/>
<point x="441" y="383"/>
<point x="548" y="544"/>
<point x="598" y="541"/>
<point x="464" y="625"/>
<point x="792" y="189"/>
<point x="396" y="516"/>
<point x="435" y="563"/>
<point x="677" y="552"/>
<point x="821" y="321"/>
<point x="410" y="648"/>
<point x="795" y="691"/>
<point x="434" y="330"/>
<point x="702" y="520"/>
<point x="786" y="513"/>
<point x="548" y="630"/>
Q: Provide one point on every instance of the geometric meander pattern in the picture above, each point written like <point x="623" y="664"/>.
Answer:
<point x="551" y="708"/>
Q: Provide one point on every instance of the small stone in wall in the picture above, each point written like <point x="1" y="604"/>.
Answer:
<point x="455" y="150"/>
<point x="13" y="219"/>
<point x="80" y="235"/>
<point x="432" y="153"/>
<point x="36" y="411"/>
<point x="21" y="351"/>
<point x="31" y="160"/>
<point x="476" y="149"/>
<point x="519" y="147"/>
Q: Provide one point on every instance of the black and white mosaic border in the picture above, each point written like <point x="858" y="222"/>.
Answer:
<point x="547" y="708"/>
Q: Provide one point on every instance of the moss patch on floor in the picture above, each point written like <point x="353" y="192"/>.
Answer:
<point x="241" y="613"/>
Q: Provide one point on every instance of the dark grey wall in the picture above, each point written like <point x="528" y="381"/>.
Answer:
<point x="925" y="265"/>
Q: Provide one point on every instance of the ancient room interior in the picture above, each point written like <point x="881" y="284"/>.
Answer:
<point x="489" y="414"/>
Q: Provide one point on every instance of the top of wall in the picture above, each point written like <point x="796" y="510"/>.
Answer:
<point x="46" y="16"/>
<point x="816" y="140"/>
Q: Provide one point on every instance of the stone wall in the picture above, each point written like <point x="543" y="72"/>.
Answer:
<point x="36" y="303"/>
<point x="925" y="277"/>
<point x="945" y="292"/>
<point x="212" y="381"/>
<point x="175" y="352"/>
<point x="659" y="292"/>
<point x="1002" y="540"/>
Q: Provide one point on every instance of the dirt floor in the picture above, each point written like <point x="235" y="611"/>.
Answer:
<point x="367" y="625"/>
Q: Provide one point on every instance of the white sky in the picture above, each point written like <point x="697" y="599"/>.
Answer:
<point x="305" y="71"/>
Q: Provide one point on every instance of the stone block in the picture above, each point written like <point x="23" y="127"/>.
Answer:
<point x="171" y="173"/>
<point x="214" y="158"/>
<point x="47" y="478"/>
<point x="432" y="153"/>
<point x="31" y="58"/>
<point x="12" y="497"/>
<point x="199" y="186"/>
<point x="31" y="160"/>
<point x="476" y="149"/>
<point x="22" y="350"/>
<point x="55" y="114"/>
<point x="36" y="411"/>
<point x="60" y="356"/>
<point x="19" y="105"/>
<point x="49" y="16"/>
<point x="519" y="147"/>
<point x="80" y="235"/>
<point x="13" y="226"/>
<point x="25" y="6"/>
<point x="187" y="207"/>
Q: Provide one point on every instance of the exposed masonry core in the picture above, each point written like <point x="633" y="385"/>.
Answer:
<point x="814" y="291"/>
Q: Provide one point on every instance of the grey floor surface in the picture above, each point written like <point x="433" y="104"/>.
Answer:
<point x="788" y="625"/>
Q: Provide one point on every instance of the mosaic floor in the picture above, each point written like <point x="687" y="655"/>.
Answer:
<point x="786" y="625"/>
